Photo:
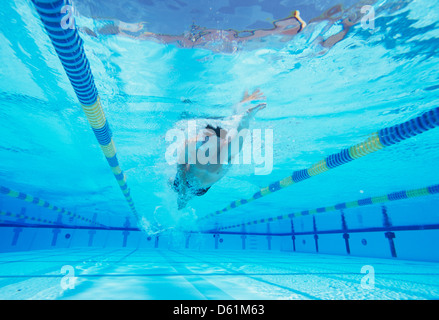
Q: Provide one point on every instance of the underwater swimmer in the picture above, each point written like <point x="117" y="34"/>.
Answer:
<point x="195" y="178"/>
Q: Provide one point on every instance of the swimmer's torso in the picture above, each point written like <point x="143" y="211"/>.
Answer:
<point x="205" y="175"/>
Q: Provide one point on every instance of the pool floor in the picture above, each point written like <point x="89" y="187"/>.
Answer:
<point x="191" y="275"/>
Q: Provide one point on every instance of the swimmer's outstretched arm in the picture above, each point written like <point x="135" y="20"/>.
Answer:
<point x="244" y="122"/>
<point x="256" y="95"/>
<point x="233" y="135"/>
<point x="251" y="112"/>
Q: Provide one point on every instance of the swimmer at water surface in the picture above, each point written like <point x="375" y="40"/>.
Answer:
<point x="196" y="176"/>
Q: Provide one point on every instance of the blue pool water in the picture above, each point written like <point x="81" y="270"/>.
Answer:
<point x="334" y="84"/>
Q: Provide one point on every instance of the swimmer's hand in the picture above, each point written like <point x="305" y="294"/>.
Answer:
<point x="256" y="95"/>
<point x="259" y="107"/>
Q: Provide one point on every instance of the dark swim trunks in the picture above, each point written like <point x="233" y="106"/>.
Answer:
<point x="196" y="191"/>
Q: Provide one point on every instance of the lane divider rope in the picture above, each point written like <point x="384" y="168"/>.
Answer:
<point x="24" y="217"/>
<point x="395" y="196"/>
<point x="43" y="204"/>
<point x="376" y="141"/>
<point x="68" y="46"/>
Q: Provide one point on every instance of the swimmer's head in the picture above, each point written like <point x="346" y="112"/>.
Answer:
<point x="217" y="130"/>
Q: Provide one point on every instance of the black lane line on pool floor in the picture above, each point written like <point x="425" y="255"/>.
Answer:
<point x="9" y="281"/>
<point x="375" y="263"/>
<point x="331" y="275"/>
<point x="376" y="273"/>
<point x="306" y="295"/>
<point x="198" y="282"/>
<point x="33" y="257"/>
<point x="87" y="285"/>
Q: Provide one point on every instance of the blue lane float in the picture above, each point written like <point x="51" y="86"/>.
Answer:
<point x="378" y="140"/>
<point x="391" y="197"/>
<point x="68" y="45"/>
<point x="41" y="203"/>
